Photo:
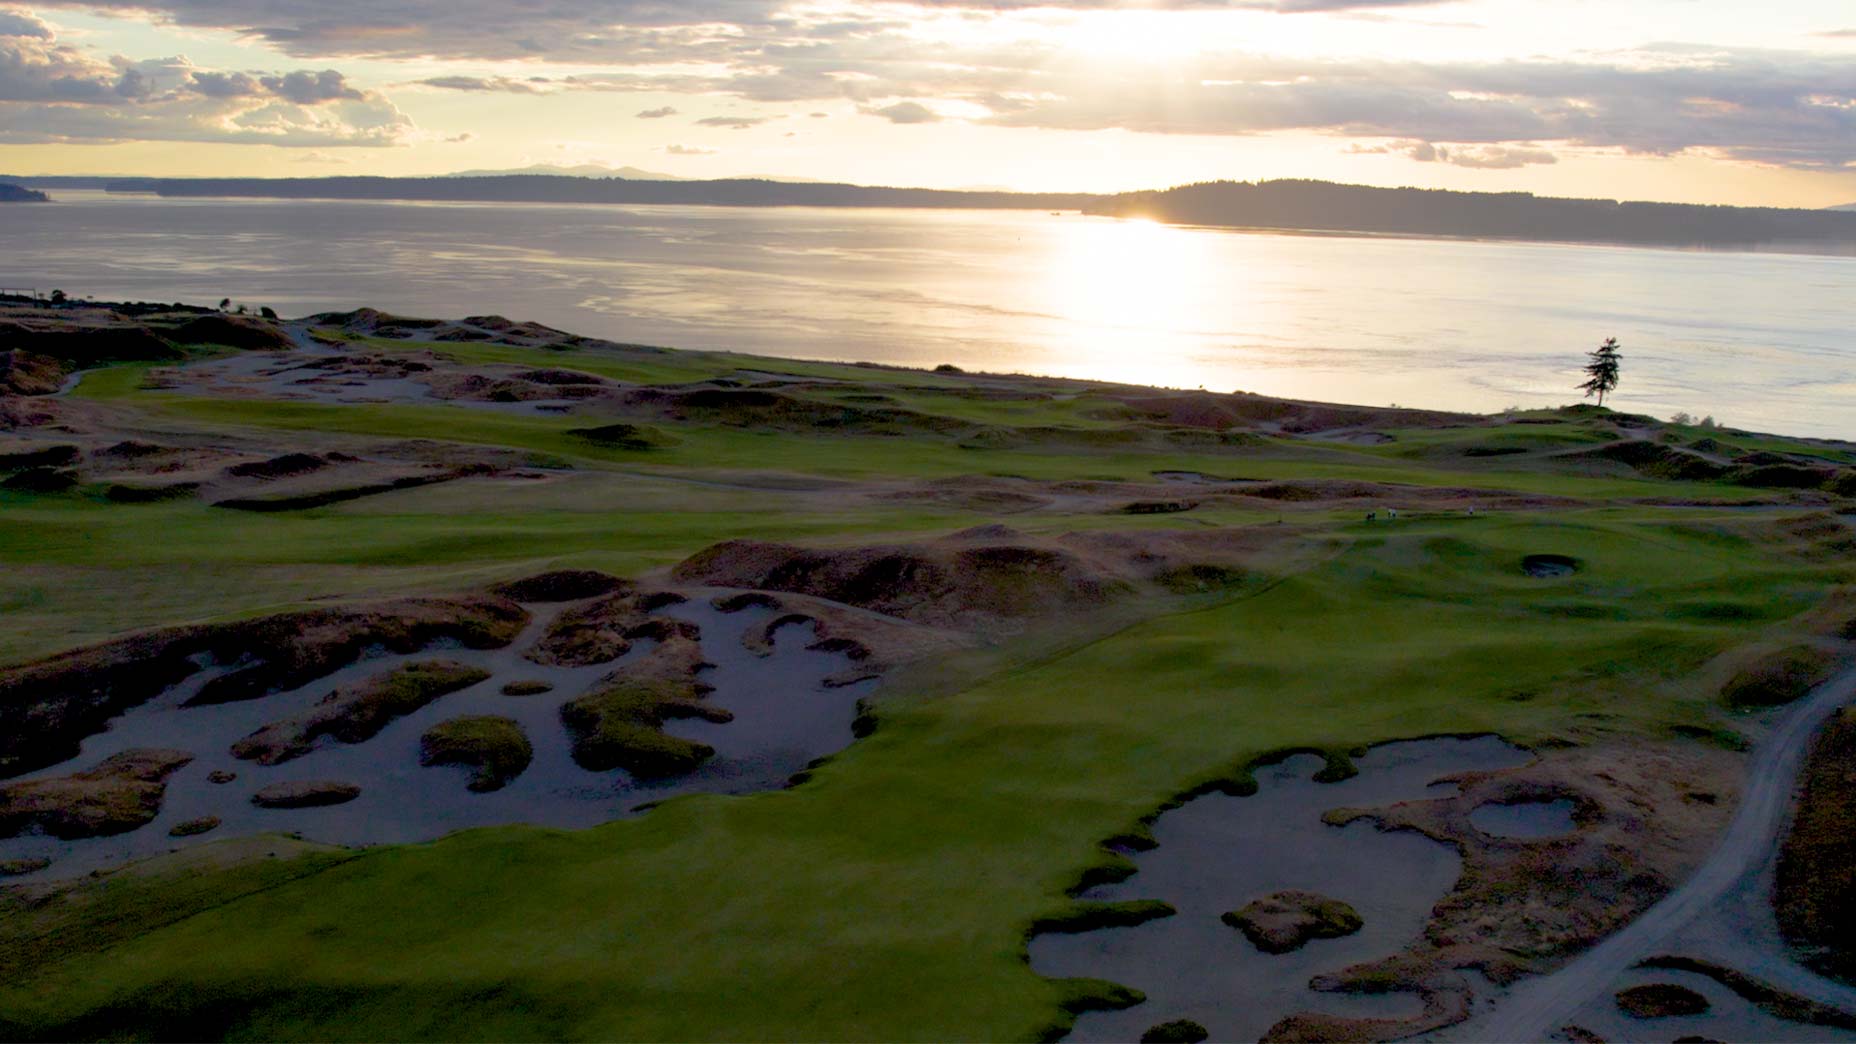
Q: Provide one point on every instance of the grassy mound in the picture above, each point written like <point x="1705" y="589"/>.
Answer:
<point x="119" y="795"/>
<point x="40" y="480"/>
<point x="495" y="747"/>
<point x="1178" y="1031"/>
<point x="195" y="827"/>
<point x="1779" y="677"/>
<point x="603" y="631"/>
<point x="619" y="726"/>
<point x="46" y="457"/>
<point x="624" y="436"/>
<point x="1816" y="891"/>
<point x="521" y="687"/>
<point x="1657" y="1000"/>
<point x="128" y="493"/>
<point x="619" y="723"/>
<point x="310" y="794"/>
<point x="284" y="466"/>
<point x="358" y="713"/>
<point x="1655" y="460"/>
<point x="1770" y="999"/>
<point x="341" y="494"/>
<point x="561" y="585"/>
<point x="86" y="342"/>
<point x="1287" y="920"/>
<point x="230" y="331"/>
<point x="1091" y="916"/>
<point x="760" y="408"/>
<point x="927" y="582"/>
<point x="26" y="373"/>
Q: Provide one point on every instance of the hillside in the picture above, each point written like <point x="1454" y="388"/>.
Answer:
<point x="1325" y="206"/>
<point x="19" y="194"/>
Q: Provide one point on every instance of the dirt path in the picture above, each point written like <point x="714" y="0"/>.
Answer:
<point x="1537" y="1007"/>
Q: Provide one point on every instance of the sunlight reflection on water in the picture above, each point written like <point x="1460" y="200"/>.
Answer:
<point x="1759" y="340"/>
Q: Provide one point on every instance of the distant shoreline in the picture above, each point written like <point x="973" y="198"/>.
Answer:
<point x="1296" y="207"/>
<point x="1806" y="248"/>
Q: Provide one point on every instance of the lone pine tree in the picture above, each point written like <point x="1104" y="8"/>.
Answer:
<point x="1602" y="371"/>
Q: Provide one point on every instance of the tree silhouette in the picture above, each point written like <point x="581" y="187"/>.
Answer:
<point x="57" y="297"/>
<point x="1602" y="371"/>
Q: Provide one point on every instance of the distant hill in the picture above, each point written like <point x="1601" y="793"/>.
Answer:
<point x="1289" y="205"/>
<point x="1846" y="206"/>
<point x="594" y="170"/>
<point x="10" y="193"/>
<point x="58" y="181"/>
<point x="582" y="170"/>
<point x="1323" y="206"/>
<point x="545" y="188"/>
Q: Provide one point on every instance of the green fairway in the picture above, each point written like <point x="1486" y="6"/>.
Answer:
<point x="905" y="872"/>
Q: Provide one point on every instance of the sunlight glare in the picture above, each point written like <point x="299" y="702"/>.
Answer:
<point x="1121" y="281"/>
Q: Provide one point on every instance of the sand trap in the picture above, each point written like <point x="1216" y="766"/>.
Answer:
<point x="337" y="375"/>
<point x="784" y="718"/>
<point x="1525" y="820"/>
<point x="1217" y="853"/>
<point x="1545" y="566"/>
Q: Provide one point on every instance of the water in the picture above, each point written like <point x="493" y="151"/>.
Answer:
<point x="1218" y="852"/>
<point x="1760" y="340"/>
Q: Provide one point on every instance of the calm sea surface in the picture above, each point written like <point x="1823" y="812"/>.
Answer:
<point x="1765" y="341"/>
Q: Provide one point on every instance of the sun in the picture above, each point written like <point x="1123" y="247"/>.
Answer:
<point x="1136" y="36"/>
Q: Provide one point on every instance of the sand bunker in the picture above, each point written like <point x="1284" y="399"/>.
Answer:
<point x="1525" y="819"/>
<point x="421" y="768"/>
<point x="1547" y="566"/>
<point x="351" y="375"/>
<point x="1217" y="853"/>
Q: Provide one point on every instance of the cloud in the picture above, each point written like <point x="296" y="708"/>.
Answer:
<point x="689" y="150"/>
<point x="311" y="88"/>
<point x="1791" y="108"/>
<point x="1838" y="34"/>
<point x="14" y="22"/>
<point x="657" y="114"/>
<point x="906" y="112"/>
<point x="1494" y="157"/>
<point x="732" y="122"/>
<point x="1786" y="108"/>
<point x="226" y="85"/>
<point x="485" y="83"/>
<point x="52" y="92"/>
<point x="1477" y="157"/>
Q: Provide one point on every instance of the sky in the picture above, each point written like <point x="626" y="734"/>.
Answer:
<point x="1683" y="100"/>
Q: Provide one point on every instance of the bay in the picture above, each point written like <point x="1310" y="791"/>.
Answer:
<point x="1758" y="340"/>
